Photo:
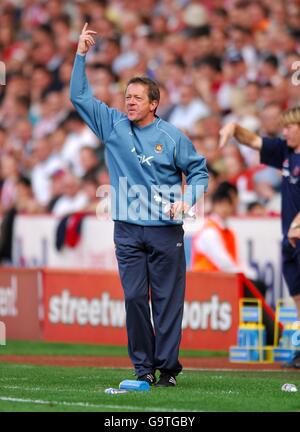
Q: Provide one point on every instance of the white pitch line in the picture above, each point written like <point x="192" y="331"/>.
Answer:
<point x="14" y="379"/>
<point x="233" y="370"/>
<point x="86" y="404"/>
<point x="48" y="389"/>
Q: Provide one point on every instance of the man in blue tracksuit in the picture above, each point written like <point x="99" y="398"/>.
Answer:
<point x="146" y="157"/>
<point x="283" y="154"/>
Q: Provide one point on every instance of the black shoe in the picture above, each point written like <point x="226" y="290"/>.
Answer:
<point x="166" y="380"/>
<point x="149" y="378"/>
<point x="294" y="363"/>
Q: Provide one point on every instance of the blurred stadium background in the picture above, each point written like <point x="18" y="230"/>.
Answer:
<point x="216" y="61"/>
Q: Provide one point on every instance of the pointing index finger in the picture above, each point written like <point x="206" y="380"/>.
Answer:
<point x="84" y="27"/>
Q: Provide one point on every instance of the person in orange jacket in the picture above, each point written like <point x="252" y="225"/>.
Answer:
<point x="214" y="247"/>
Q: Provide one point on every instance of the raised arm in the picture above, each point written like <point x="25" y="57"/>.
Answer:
<point x="96" y="114"/>
<point x="244" y="136"/>
<point x="86" y="40"/>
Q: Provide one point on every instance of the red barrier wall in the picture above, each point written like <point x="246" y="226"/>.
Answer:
<point x="87" y="306"/>
<point x="210" y="317"/>
<point x="20" y="303"/>
<point x="84" y="306"/>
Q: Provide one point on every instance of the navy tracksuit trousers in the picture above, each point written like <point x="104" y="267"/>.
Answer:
<point x="152" y="267"/>
<point x="291" y="266"/>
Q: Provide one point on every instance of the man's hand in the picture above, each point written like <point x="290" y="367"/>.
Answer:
<point x="242" y="135"/>
<point x="179" y="209"/>
<point x="294" y="231"/>
<point x="86" y="40"/>
<point x="226" y="133"/>
<point x="294" y="236"/>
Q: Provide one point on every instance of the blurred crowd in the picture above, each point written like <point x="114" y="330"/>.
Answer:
<point x="216" y="61"/>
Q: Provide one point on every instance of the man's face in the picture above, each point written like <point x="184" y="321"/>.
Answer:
<point x="138" y="106"/>
<point x="186" y="95"/>
<point x="270" y="119"/>
<point x="291" y="133"/>
<point x="224" y="209"/>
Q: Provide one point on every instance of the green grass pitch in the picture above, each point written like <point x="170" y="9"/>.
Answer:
<point x="74" y="389"/>
<point x="46" y="348"/>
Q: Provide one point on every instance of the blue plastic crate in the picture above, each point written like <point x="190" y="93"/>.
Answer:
<point x="239" y="354"/>
<point x="288" y="341"/>
<point x="250" y="337"/>
<point x="283" y="354"/>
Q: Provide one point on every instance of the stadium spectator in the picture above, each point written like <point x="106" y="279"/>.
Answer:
<point x="45" y="164"/>
<point x="240" y="46"/>
<point x="43" y="80"/>
<point x="208" y="126"/>
<point x="208" y="146"/>
<point x="268" y="94"/>
<point x="207" y="75"/>
<point x="258" y="15"/>
<point x="57" y="139"/>
<point x="52" y="113"/>
<point x="233" y="81"/>
<point x="79" y="135"/>
<point x="99" y="205"/>
<point x="251" y="97"/>
<point x="270" y="119"/>
<point x="21" y="139"/>
<point x="219" y="19"/>
<point x="256" y="209"/>
<point x="56" y="187"/>
<point x="268" y="70"/>
<point x="25" y="201"/>
<point x="90" y="186"/>
<point x="266" y="186"/>
<point x="73" y="199"/>
<point x="90" y="161"/>
<point x="214" y="247"/>
<point x="166" y="107"/>
<point x="9" y="175"/>
<point x="189" y="109"/>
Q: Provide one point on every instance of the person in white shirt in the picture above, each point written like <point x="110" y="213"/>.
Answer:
<point x="73" y="199"/>
<point x="47" y="164"/>
<point x="79" y="136"/>
<point x="190" y="109"/>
